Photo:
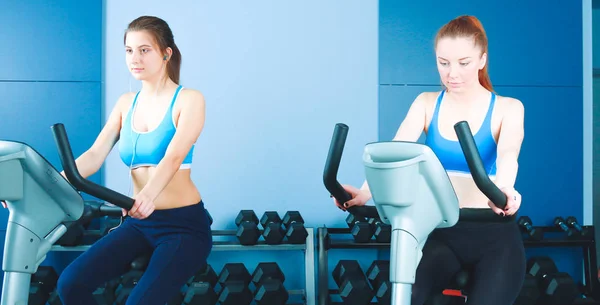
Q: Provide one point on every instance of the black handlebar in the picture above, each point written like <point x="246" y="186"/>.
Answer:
<point x="68" y="162"/>
<point x="94" y="209"/>
<point x="99" y="209"/>
<point x="332" y="165"/>
<point x="107" y="210"/>
<point x="483" y="182"/>
<point x="467" y="142"/>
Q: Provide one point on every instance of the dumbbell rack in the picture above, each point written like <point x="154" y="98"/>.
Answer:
<point x="308" y="247"/>
<point x="324" y="244"/>
<point x="588" y="246"/>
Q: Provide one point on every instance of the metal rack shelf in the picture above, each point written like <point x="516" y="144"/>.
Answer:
<point x="587" y="244"/>
<point x="308" y="248"/>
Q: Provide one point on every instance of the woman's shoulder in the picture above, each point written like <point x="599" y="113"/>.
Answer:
<point x="508" y="104"/>
<point x="125" y="100"/>
<point x="190" y="100"/>
<point x="188" y="95"/>
<point x="427" y="98"/>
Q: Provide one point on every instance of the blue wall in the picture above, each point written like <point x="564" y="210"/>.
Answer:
<point x="50" y="73"/>
<point x="534" y="58"/>
<point x="595" y="33"/>
<point x="596" y="115"/>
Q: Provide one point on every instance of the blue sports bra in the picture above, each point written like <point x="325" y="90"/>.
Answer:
<point x="450" y="153"/>
<point x="148" y="148"/>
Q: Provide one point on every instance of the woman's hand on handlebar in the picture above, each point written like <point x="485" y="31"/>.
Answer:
<point x="513" y="202"/>
<point x="142" y="207"/>
<point x="358" y="198"/>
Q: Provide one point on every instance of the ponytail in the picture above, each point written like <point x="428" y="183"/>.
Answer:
<point x="174" y="64"/>
<point x="484" y="78"/>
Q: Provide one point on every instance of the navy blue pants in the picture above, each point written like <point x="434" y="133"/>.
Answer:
<point x="493" y="251"/>
<point x="179" y="239"/>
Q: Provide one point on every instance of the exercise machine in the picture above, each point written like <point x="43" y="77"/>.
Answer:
<point x="412" y="192"/>
<point x="41" y="205"/>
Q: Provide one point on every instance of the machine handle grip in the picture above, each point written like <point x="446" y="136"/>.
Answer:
<point x="332" y="164"/>
<point x="94" y="209"/>
<point x="99" y="209"/>
<point x="483" y="182"/>
<point x="113" y="211"/>
<point x="68" y="162"/>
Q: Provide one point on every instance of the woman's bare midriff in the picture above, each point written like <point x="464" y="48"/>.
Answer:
<point x="469" y="196"/>
<point x="180" y="191"/>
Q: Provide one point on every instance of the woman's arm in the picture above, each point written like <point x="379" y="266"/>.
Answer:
<point x="409" y="130"/>
<point x="511" y="136"/>
<point x="189" y="127"/>
<point x="91" y="160"/>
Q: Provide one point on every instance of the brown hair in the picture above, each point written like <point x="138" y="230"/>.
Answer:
<point x="160" y="30"/>
<point x="469" y="26"/>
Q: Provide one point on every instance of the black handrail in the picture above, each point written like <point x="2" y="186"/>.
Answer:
<point x="68" y="162"/>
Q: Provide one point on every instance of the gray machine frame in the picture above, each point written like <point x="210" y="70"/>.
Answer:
<point x="413" y="193"/>
<point x="39" y="201"/>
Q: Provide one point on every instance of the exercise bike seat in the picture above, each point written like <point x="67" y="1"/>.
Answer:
<point x="412" y="192"/>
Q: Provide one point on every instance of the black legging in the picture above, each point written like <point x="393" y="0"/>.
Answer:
<point x="494" y="250"/>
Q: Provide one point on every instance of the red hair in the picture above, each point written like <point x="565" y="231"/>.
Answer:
<point x="471" y="27"/>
